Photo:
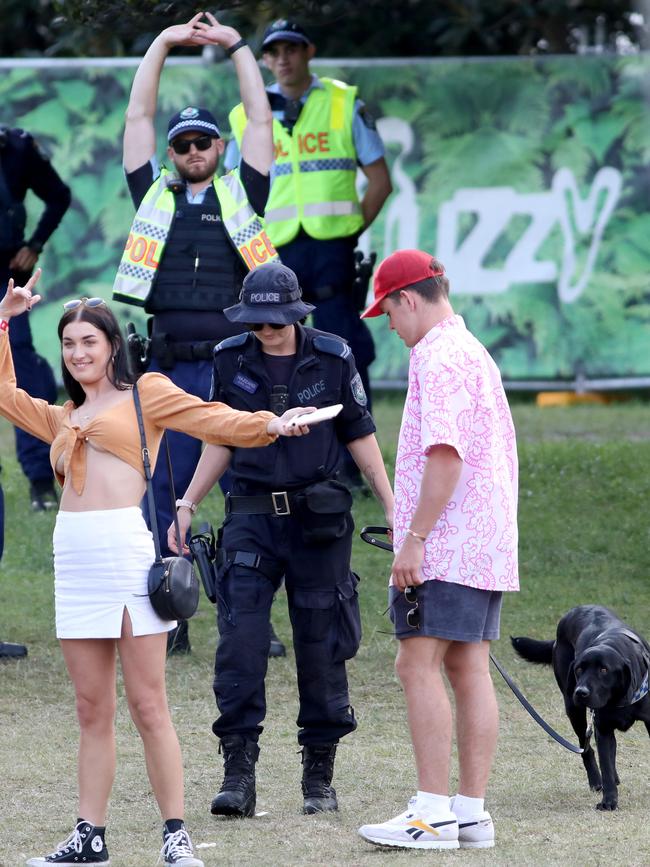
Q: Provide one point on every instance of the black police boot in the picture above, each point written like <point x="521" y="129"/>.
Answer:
<point x="317" y="772"/>
<point x="276" y="648"/>
<point x="237" y="795"/>
<point x="12" y="651"/>
<point x="178" y="639"/>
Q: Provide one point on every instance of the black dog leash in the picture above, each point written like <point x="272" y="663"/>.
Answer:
<point x="369" y="535"/>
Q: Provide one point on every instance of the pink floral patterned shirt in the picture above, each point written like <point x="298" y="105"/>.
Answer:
<point x="455" y="397"/>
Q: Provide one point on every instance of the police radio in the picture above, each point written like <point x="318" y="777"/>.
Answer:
<point x="139" y="349"/>
<point x="175" y="184"/>
<point x="363" y="267"/>
<point x="279" y="399"/>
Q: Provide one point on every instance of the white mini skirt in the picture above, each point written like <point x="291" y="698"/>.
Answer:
<point x="101" y="563"/>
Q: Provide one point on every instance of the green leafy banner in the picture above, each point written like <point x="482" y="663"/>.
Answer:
<point x="527" y="177"/>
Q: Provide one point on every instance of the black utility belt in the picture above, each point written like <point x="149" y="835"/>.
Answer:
<point x="276" y="503"/>
<point x="166" y="351"/>
<point x="322" y="508"/>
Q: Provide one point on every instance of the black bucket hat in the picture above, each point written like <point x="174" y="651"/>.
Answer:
<point x="270" y="293"/>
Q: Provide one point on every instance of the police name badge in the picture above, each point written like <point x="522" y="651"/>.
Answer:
<point x="358" y="391"/>
<point x="245" y="383"/>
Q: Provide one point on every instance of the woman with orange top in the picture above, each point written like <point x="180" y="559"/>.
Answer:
<point x="103" y="551"/>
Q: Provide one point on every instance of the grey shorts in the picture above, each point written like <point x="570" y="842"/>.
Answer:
<point x="447" y="610"/>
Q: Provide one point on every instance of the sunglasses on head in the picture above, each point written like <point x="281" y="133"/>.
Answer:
<point x="258" y="326"/>
<point x="84" y="302"/>
<point x="183" y="145"/>
<point x="413" y="615"/>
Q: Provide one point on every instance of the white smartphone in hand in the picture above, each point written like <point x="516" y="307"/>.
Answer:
<point x="323" y="414"/>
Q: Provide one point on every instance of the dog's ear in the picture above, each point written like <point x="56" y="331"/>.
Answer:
<point x="635" y="666"/>
<point x="627" y="687"/>
<point x="571" y="677"/>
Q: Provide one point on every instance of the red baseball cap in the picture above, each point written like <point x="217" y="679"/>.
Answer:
<point x="399" y="270"/>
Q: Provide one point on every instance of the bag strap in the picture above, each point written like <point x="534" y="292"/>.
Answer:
<point x="147" y="474"/>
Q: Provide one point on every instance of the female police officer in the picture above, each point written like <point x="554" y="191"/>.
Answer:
<point x="286" y="516"/>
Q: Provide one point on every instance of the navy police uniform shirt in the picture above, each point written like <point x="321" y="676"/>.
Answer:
<point x="25" y="167"/>
<point x="323" y="373"/>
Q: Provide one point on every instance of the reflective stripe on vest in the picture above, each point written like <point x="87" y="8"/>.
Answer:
<point x="146" y="242"/>
<point x="314" y="180"/>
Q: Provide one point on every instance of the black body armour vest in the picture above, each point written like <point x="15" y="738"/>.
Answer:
<point x="200" y="269"/>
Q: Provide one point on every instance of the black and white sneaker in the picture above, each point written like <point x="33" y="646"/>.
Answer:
<point x="177" y="850"/>
<point x="84" y="846"/>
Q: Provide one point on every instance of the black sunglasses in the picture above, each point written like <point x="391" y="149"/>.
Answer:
<point x="85" y="302"/>
<point x="413" y="615"/>
<point x="183" y="145"/>
<point x="257" y="326"/>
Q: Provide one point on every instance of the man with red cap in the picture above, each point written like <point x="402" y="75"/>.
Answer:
<point x="455" y="542"/>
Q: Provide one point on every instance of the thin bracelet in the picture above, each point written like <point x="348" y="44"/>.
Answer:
<point x="416" y="535"/>
<point x="230" y="51"/>
<point x="4" y="325"/>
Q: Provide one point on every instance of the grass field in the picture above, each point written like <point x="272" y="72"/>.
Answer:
<point x="584" y="537"/>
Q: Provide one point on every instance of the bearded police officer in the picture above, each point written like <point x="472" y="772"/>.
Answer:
<point x="23" y="167"/>
<point x="286" y="516"/>
<point x="321" y="133"/>
<point x="195" y="235"/>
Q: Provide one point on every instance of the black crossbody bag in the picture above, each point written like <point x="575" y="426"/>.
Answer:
<point x="172" y="585"/>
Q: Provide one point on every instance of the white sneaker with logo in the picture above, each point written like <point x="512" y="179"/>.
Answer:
<point x="415" y="829"/>
<point x="476" y="832"/>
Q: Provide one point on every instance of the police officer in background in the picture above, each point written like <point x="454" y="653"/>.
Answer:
<point x="23" y="167"/>
<point x="7" y="649"/>
<point x="286" y="516"/>
<point x="321" y="132"/>
<point x="195" y="235"/>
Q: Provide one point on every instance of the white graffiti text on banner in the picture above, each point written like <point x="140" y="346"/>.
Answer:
<point x="494" y="207"/>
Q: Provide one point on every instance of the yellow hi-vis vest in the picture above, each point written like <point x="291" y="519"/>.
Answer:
<point x="146" y="242"/>
<point x="315" y="168"/>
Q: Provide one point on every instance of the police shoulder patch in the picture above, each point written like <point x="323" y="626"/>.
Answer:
<point x="230" y="342"/>
<point x="331" y="345"/>
<point x="358" y="391"/>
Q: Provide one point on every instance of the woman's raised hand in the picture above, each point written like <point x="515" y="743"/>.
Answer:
<point x="18" y="299"/>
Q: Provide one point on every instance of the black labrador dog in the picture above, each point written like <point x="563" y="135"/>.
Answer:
<point x="602" y="664"/>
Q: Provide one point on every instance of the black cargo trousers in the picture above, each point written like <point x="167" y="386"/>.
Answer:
<point x="323" y="606"/>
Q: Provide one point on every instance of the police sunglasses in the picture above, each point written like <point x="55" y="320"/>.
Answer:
<point x="84" y="302"/>
<point x="201" y="143"/>
<point x="258" y="326"/>
<point x="413" y="614"/>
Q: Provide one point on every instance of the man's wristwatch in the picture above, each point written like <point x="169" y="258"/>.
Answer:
<point x="188" y="505"/>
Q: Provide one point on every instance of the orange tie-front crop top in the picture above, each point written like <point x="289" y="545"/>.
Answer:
<point x="164" y="405"/>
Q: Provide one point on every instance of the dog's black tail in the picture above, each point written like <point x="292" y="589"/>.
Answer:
<point x="533" y="650"/>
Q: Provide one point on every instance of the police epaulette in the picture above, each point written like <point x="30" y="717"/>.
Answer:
<point x="229" y="342"/>
<point x="332" y="345"/>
